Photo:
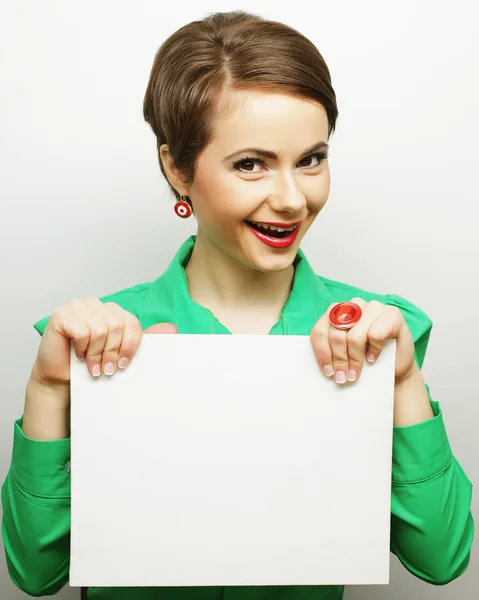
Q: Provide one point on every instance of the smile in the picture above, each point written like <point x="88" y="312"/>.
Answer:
<point x="274" y="235"/>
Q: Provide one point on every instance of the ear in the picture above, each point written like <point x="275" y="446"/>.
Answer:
<point x="175" y="176"/>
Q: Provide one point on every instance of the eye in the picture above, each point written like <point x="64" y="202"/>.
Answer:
<point x="318" y="155"/>
<point x="243" y="164"/>
<point x="247" y="164"/>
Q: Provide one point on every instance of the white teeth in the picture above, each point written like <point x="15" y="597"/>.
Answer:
<point x="265" y="226"/>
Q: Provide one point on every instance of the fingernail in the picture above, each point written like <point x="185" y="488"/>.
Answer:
<point x="351" y="375"/>
<point x="340" y="376"/>
<point x="328" y="370"/>
<point x="96" y="371"/>
<point x="109" y="368"/>
<point x="370" y="357"/>
<point x="123" y="362"/>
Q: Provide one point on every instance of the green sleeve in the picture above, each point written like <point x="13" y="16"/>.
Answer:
<point x="36" y="514"/>
<point x="431" y="522"/>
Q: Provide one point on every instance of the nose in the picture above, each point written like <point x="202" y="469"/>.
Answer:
<point x="287" y="196"/>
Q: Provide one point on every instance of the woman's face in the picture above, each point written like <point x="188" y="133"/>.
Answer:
<point x="232" y="187"/>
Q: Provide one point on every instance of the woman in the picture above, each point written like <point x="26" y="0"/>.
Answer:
<point x="242" y="109"/>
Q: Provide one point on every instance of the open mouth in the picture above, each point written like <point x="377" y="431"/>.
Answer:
<point x="270" y="231"/>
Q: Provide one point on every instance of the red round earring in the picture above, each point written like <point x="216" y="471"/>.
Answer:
<point x="182" y="208"/>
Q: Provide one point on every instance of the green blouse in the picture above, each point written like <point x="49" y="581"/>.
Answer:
<point x="431" y="523"/>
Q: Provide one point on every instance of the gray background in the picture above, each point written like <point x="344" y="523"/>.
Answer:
<point x="84" y="210"/>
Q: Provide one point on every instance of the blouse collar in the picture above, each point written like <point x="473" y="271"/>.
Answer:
<point x="168" y="300"/>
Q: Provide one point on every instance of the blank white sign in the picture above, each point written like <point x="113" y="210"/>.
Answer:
<point x="230" y="460"/>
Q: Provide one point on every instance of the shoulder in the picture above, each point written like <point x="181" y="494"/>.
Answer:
<point x="417" y="320"/>
<point x="130" y="299"/>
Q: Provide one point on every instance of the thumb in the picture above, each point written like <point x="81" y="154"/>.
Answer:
<point x="162" y="328"/>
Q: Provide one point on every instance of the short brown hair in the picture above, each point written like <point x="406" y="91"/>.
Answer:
<point x="226" y="51"/>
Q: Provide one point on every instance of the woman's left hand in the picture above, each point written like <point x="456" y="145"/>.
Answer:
<point x="344" y="351"/>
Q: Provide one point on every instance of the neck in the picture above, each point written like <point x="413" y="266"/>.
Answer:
<point x="218" y="281"/>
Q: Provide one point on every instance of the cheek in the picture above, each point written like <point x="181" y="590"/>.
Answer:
<point x="225" y="199"/>
<point x="206" y="186"/>
<point x="216" y="205"/>
<point x="319" y="190"/>
<point x="208" y="191"/>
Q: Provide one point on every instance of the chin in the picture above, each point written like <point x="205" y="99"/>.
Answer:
<point x="272" y="263"/>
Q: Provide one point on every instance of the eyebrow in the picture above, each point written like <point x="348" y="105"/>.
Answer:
<point x="273" y="155"/>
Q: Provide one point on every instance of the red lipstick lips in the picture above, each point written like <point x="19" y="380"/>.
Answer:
<point x="276" y="242"/>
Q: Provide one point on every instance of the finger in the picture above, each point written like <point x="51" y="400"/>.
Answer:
<point x="357" y="339"/>
<point x="339" y="348"/>
<point x="320" y="343"/>
<point x="92" y="311"/>
<point x="347" y="362"/>
<point x="69" y="324"/>
<point x="131" y="340"/>
<point x="162" y="328"/>
<point x="98" y="334"/>
<point x="386" y="326"/>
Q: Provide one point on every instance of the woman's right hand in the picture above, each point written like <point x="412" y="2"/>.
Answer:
<point x="104" y="334"/>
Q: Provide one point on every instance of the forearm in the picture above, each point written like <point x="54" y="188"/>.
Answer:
<point x="411" y="401"/>
<point x="46" y="414"/>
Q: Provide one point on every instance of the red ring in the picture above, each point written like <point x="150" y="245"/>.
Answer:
<point x="345" y="315"/>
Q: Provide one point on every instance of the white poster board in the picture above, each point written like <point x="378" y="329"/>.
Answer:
<point x="230" y="460"/>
